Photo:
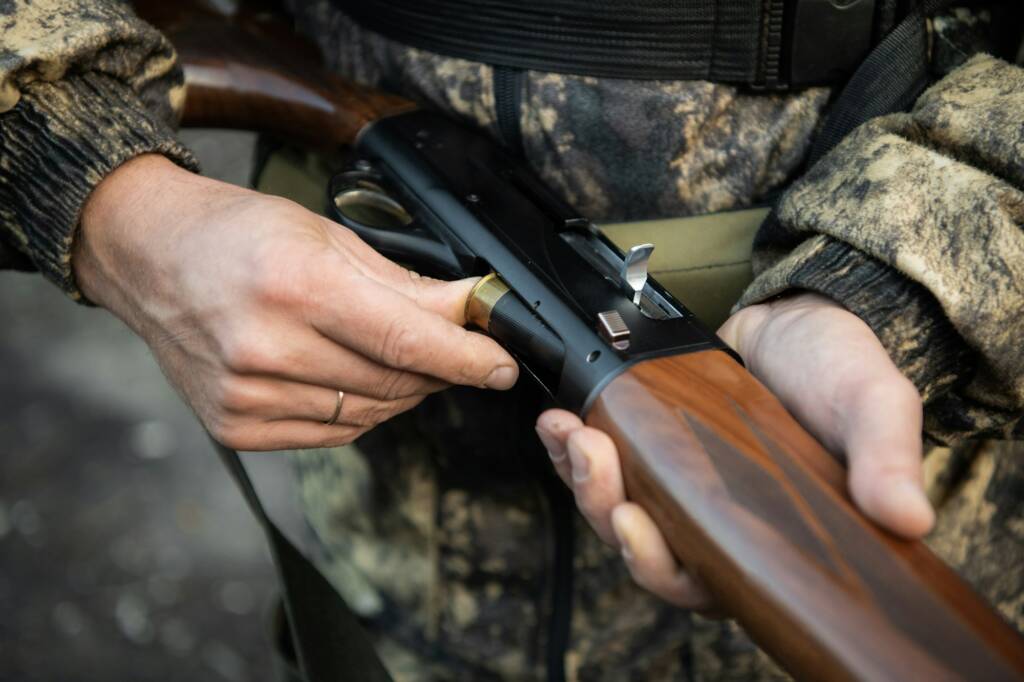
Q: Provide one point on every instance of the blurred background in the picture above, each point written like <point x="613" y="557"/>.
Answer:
<point x="125" y="551"/>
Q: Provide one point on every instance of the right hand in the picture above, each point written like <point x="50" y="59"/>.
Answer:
<point x="260" y="311"/>
<point x="832" y="373"/>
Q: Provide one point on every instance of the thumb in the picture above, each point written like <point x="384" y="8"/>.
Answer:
<point x="882" y="440"/>
<point x="448" y="300"/>
<point x="833" y="374"/>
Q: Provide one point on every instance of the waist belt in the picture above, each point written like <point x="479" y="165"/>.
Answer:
<point x="760" y="43"/>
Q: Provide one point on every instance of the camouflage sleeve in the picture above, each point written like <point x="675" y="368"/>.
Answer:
<point x="914" y="223"/>
<point x="84" y="86"/>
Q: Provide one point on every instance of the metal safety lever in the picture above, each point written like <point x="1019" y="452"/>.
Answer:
<point x="634" y="270"/>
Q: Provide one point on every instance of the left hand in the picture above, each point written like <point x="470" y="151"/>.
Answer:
<point x="266" y="317"/>
<point x="831" y="372"/>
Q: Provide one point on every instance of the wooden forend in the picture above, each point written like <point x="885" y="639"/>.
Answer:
<point x="755" y="507"/>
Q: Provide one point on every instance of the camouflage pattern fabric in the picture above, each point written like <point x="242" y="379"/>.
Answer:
<point x="615" y="149"/>
<point x="914" y="223"/>
<point x="440" y="527"/>
<point x="978" y="488"/>
<point x="449" y="614"/>
<point x="84" y="86"/>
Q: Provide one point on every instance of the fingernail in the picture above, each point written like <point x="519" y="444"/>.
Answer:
<point x="624" y="548"/>
<point x="580" y="465"/>
<point x="555" y="449"/>
<point x="914" y="498"/>
<point x="907" y="493"/>
<point x="620" y="537"/>
<point x="501" y="378"/>
<point x="901" y="506"/>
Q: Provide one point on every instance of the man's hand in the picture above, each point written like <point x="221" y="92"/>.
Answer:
<point x="259" y="311"/>
<point x="828" y="368"/>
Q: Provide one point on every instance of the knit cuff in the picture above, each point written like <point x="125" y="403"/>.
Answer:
<point x="60" y="141"/>
<point x="908" y="321"/>
<point x="902" y="313"/>
<point x="913" y="222"/>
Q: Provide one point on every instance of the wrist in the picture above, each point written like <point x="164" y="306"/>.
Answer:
<point x="122" y="218"/>
<point x="742" y="331"/>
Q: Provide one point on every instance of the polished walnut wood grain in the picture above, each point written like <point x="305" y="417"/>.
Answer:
<point x="752" y="504"/>
<point x="249" y="71"/>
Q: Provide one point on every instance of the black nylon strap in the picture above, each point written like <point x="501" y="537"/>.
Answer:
<point x="330" y="644"/>
<point x="889" y="80"/>
<point x="720" y="40"/>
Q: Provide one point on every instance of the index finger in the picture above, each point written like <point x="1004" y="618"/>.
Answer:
<point x="388" y="327"/>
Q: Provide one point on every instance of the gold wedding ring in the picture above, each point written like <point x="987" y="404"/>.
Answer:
<point x="337" y="410"/>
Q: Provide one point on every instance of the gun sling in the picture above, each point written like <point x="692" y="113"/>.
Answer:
<point x="329" y="642"/>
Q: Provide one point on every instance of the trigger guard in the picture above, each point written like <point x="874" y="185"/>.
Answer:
<point x="410" y="244"/>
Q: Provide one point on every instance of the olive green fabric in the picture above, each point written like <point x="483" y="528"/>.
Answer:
<point x="703" y="260"/>
<point x="296" y="175"/>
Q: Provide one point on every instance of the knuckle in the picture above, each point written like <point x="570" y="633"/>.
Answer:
<point x="229" y="432"/>
<point x="283" y="277"/>
<point x="392" y="384"/>
<point x="894" y="392"/>
<point x="590" y="507"/>
<point x="907" y="392"/>
<point x="400" y="345"/>
<point x="376" y="413"/>
<point x="278" y="282"/>
<point x="234" y="394"/>
<point x="416" y="282"/>
<point x="476" y="362"/>
<point x="595" y="442"/>
<point x="423" y="290"/>
<point x="244" y="354"/>
<point x="871" y="473"/>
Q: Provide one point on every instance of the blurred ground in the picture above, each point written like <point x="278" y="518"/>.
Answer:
<point x="125" y="551"/>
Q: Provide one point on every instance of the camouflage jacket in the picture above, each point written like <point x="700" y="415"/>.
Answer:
<point x="444" y="527"/>
<point x="84" y="86"/>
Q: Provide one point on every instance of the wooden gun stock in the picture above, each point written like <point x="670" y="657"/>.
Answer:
<point x="751" y="503"/>
<point x="249" y="71"/>
<point x="747" y="499"/>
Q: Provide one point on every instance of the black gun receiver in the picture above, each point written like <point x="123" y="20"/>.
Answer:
<point x="450" y="203"/>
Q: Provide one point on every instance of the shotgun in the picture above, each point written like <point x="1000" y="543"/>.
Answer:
<point x="747" y="499"/>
